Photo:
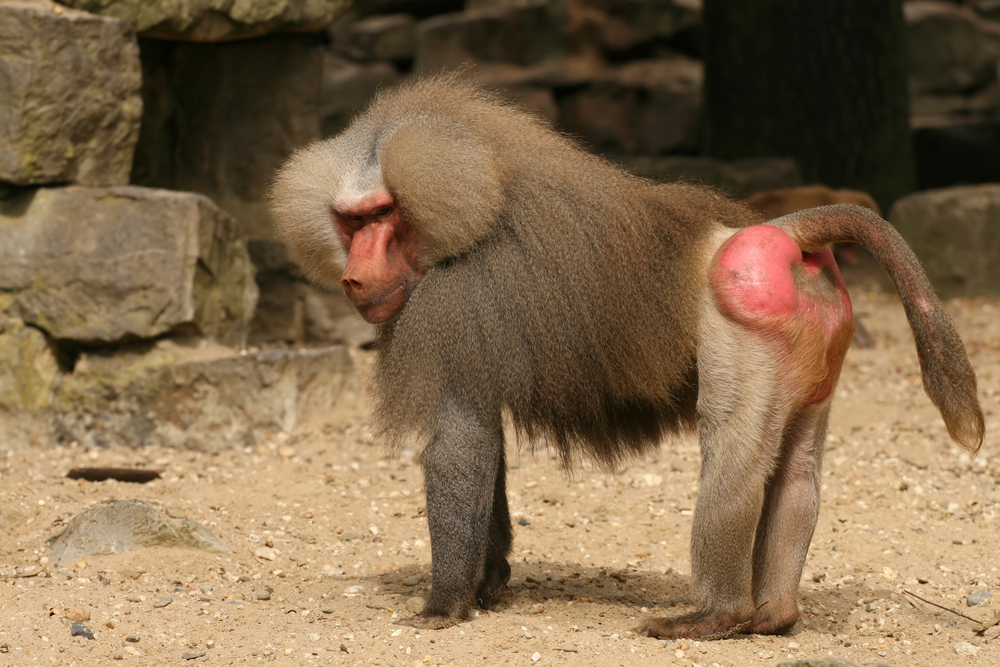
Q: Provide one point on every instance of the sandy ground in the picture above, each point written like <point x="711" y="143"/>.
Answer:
<point x="595" y="553"/>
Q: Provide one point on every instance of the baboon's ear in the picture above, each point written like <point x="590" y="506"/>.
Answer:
<point x="446" y="183"/>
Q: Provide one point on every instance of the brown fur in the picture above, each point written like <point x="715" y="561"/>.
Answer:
<point x="575" y="298"/>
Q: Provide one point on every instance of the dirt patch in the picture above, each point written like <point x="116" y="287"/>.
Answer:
<point x="595" y="553"/>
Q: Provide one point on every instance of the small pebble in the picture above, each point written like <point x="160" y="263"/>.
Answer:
<point x="132" y="638"/>
<point x="329" y="611"/>
<point x="80" y="630"/>
<point x="343" y="648"/>
<point x="347" y="537"/>
<point x="192" y="655"/>
<point x="267" y="553"/>
<point x="536" y="656"/>
<point x="353" y="591"/>
<point x="162" y="602"/>
<point x="77" y="614"/>
<point x="965" y="648"/>
<point x="180" y="589"/>
<point x="523" y="522"/>
<point x="207" y="588"/>
<point x="413" y="580"/>
<point x="416" y="605"/>
<point x="264" y="595"/>
<point x="979" y="597"/>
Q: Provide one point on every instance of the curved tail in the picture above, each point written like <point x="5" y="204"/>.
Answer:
<point x="947" y="374"/>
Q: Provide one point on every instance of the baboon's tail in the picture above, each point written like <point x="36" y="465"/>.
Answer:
<point x="948" y="377"/>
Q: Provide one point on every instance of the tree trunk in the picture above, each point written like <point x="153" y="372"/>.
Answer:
<point x="822" y="81"/>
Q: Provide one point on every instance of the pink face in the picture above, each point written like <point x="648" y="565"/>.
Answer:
<point x="381" y="268"/>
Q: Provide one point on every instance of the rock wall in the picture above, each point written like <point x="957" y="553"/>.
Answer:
<point x="125" y="310"/>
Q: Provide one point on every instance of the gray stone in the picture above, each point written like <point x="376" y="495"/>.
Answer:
<point x="415" y="604"/>
<point x="951" y="48"/>
<point x="738" y="178"/>
<point x="78" y="629"/>
<point x="347" y="88"/>
<point x="163" y="602"/>
<point x="195" y="395"/>
<point x="264" y="595"/>
<point x="386" y="37"/>
<point x="193" y="655"/>
<point x="956" y="234"/>
<point x="220" y="119"/>
<point x="69" y="95"/>
<point x="978" y="597"/>
<point x="118" y="526"/>
<point x="645" y="107"/>
<point x="28" y="370"/>
<point x="522" y="35"/>
<point x="103" y="264"/>
<point x="215" y="20"/>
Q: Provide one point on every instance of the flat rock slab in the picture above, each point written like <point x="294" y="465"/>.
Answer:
<point x="69" y="95"/>
<point x="217" y="20"/>
<point x="956" y="234"/>
<point x="106" y="264"/>
<point x="117" y="526"/>
<point x="195" y="395"/>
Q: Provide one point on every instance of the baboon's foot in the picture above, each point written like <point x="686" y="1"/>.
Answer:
<point x="699" y="625"/>
<point x="494" y="582"/>
<point x="774" y="619"/>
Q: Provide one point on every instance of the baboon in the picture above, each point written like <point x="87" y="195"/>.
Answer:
<point x="514" y="276"/>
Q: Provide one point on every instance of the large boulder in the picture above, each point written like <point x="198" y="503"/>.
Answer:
<point x="217" y="20"/>
<point x="69" y="95"/>
<point x="221" y="118"/>
<point x="194" y="394"/>
<point x="956" y="234"/>
<point x="951" y="48"/>
<point x="106" y="264"/>
<point x="644" y="107"/>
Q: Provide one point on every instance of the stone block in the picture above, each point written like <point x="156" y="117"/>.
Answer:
<point x="522" y="35"/>
<point x="69" y="95"/>
<point x="106" y="264"/>
<point x="386" y="37"/>
<point x="618" y="26"/>
<point x="644" y="107"/>
<point x="221" y="118"/>
<point x="195" y="394"/>
<point x="956" y="234"/>
<point x="28" y="370"/>
<point x="951" y="49"/>
<point x="218" y="20"/>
